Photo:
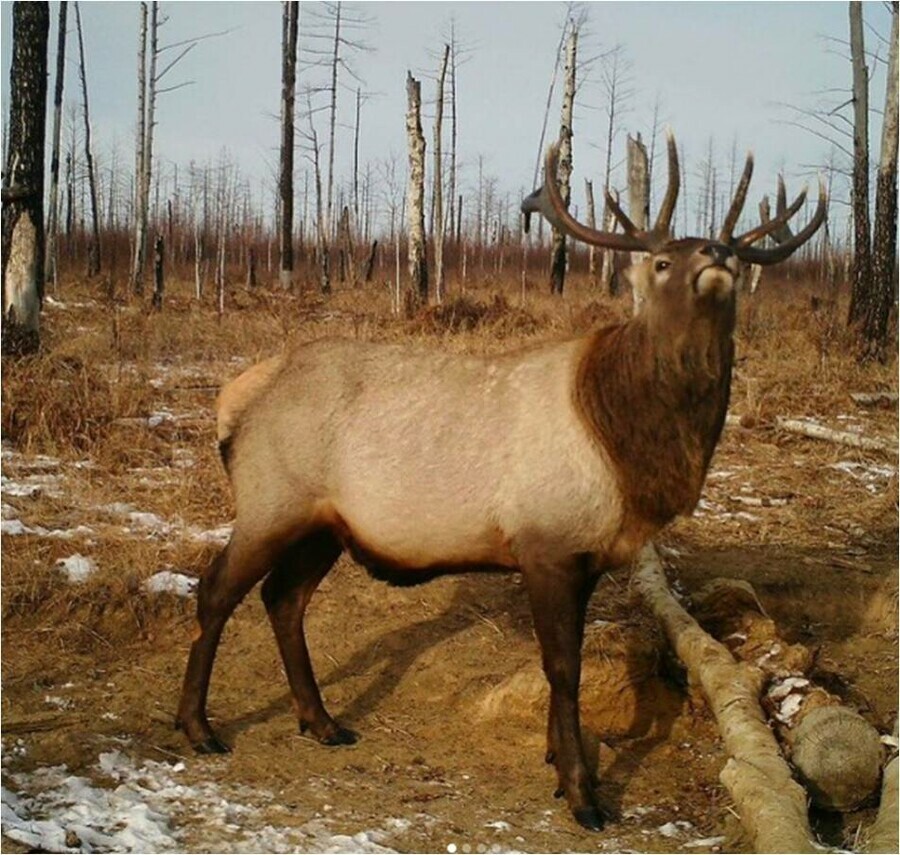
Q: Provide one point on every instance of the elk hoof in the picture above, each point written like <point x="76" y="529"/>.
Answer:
<point x="589" y="818"/>
<point x="550" y="756"/>
<point x="342" y="736"/>
<point x="211" y="745"/>
<point x="558" y="793"/>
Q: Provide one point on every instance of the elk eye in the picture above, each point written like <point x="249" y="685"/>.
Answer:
<point x="661" y="265"/>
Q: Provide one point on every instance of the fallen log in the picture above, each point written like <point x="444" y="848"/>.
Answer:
<point x="841" y="437"/>
<point x="836" y="752"/>
<point x="873" y="399"/>
<point x="883" y="835"/>
<point x="771" y="804"/>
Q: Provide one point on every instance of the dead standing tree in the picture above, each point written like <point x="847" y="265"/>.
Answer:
<point x="289" y="29"/>
<point x="23" y="187"/>
<point x="558" y="244"/>
<point x="52" y="261"/>
<point x="437" y="204"/>
<point x="93" y="265"/>
<point x="418" y="269"/>
<point x="880" y="295"/>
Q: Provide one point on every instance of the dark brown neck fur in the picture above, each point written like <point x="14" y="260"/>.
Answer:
<point x="656" y="399"/>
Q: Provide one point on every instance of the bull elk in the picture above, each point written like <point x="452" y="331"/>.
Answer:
<point x="557" y="461"/>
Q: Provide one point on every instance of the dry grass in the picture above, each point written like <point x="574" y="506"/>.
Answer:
<point x="106" y="367"/>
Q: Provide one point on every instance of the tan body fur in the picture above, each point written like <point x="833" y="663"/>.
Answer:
<point x="476" y="458"/>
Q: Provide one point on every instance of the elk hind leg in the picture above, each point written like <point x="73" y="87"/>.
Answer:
<point x="286" y="594"/>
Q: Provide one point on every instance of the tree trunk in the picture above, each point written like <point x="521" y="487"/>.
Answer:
<point x="332" y="119"/>
<point x="52" y="259"/>
<point x="159" y="282"/>
<point x="23" y="189"/>
<point x="638" y="193"/>
<point x="592" y="222"/>
<point x="437" y="204"/>
<point x="140" y="202"/>
<point x="289" y="31"/>
<point x="558" y="246"/>
<point x="93" y="265"/>
<point x="861" y="253"/>
<point x="882" y="290"/>
<point x="418" y="270"/>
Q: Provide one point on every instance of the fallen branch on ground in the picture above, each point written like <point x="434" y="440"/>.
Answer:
<point x="841" y="437"/>
<point x="772" y="805"/>
<point x="872" y="399"/>
<point x="883" y="835"/>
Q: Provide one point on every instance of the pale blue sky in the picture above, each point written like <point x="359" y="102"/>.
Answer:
<point x="718" y="68"/>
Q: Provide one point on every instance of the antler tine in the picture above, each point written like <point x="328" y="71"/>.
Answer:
<point x="737" y="204"/>
<point x="777" y="227"/>
<point x="663" y="223"/>
<point x="624" y="220"/>
<point x="549" y="202"/>
<point x="783" y="250"/>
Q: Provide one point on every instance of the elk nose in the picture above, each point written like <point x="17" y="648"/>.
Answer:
<point x="718" y="252"/>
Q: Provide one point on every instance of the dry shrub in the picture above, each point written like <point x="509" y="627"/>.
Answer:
<point x="53" y="404"/>
<point x="463" y="314"/>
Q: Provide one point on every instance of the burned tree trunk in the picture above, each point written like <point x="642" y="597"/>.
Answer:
<point x="558" y="244"/>
<point x="23" y="188"/>
<point x="52" y="260"/>
<point x="289" y="21"/>
<point x="159" y="282"/>
<point x="861" y="270"/>
<point x="882" y="289"/>
<point x="437" y="203"/>
<point x="93" y="265"/>
<point x="418" y="271"/>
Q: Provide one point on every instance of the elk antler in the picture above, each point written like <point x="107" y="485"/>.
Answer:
<point x="547" y="200"/>
<point x="787" y="242"/>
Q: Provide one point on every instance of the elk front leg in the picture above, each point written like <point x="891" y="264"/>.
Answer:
<point x="559" y="595"/>
<point x="286" y="594"/>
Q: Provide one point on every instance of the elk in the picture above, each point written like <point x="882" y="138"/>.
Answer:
<point x="557" y="462"/>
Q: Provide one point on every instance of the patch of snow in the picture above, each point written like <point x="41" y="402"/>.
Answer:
<point x="675" y="829"/>
<point x="31" y="486"/>
<point x="145" y="808"/>
<point x="59" y="703"/>
<point x="704" y="841"/>
<point x="498" y="825"/>
<point x="77" y="567"/>
<point x="874" y="476"/>
<point x="167" y="582"/>
<point x="220" y="535"/>
<point x="782" y="688"/>
<point x="16" y="527"/>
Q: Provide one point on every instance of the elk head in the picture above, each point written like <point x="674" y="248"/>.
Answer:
<point x="690" y="275"/>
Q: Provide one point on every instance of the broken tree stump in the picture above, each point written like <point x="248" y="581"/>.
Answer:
<point x="771" y="804"/>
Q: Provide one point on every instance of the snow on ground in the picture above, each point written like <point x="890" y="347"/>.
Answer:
<point x="875" y="477"/>
<point x="167" y="582"/>
<point x="149" y="808"/>
<point x="77" y="567"/>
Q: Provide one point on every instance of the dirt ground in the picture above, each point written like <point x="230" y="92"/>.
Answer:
<point x="450" y="757"/>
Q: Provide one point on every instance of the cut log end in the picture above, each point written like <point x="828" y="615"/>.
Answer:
<point x="837" y="754"/>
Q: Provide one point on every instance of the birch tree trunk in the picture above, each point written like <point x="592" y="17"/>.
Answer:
<point x="415" y="139"/>
<point x="638" y="193"/>
<point x="592" y="222"/>
<point x="52" y="260"/>
<point x="289" y="29"/>
<point x="93" y="265"/>
<point x="558" y="243"/>
<point x="861" y="271"/>
<point x="882" y="289"/>
<point x="332" y="117"/>
<point x="437" y="205"/>
<point x="23" y="188"/>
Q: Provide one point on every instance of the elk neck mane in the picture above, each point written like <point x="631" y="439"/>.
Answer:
<point x="656" y="402"/>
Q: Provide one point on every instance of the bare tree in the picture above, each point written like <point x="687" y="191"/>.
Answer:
<point x="558" y="245"/>
<point x="883" y="287"/>
<point x="437" y="205"/>
<point x="23" y="187"/>
<point x="52" y="260"/>
<point x="418" y="270"/>
<point x="861" y="253"/>
<point x="93" y="265"/>
<point x="289" y="30"/>
<point x="140" y="201"/>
